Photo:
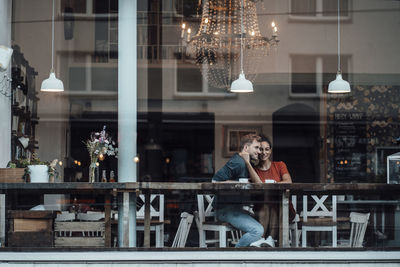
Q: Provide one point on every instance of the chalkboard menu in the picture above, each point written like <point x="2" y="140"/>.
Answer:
<point x="350" y="147"/>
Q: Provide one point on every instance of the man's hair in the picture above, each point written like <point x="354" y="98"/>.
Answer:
<point x="248" y="139"/>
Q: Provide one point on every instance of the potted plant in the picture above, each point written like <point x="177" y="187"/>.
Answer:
<point x="38" y="171"/>
<point x="42" y="171"/>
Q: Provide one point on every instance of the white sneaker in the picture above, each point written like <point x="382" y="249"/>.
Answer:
<point x="270" y="242"/>
<point x="258" y="243"/>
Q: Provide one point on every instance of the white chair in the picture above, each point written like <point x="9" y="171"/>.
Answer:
<point x="183" y="230"/>
<point x="156" y="217"/>
<point x="359" y="223"/>
<point x="319" y="218"/>
<point x="206" y="221"/>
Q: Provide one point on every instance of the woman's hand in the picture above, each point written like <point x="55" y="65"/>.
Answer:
<point x="245" y="156"/>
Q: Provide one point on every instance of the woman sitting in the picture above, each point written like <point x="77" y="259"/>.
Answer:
<point x="268" y="171"/>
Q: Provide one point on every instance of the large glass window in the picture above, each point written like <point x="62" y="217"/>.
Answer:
<point x="188" y="121"/>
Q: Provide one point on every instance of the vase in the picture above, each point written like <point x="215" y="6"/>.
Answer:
<point x="92" y="172"/>
<point x="39" y="173"/>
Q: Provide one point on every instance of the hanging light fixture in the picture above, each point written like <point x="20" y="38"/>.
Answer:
<point x="241" y="85"/>
<point x="339" y="85"/>
<point x="228" y="42"/>
<point x="52" y="84"/>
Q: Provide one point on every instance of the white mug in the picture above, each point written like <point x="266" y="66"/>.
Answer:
<point x="243" y="180"/>
<point x="269" y="181"/>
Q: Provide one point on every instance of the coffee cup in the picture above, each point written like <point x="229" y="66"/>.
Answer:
<point x="243" y="180"/>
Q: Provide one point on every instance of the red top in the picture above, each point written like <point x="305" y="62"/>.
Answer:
<point x="275" y="172"/>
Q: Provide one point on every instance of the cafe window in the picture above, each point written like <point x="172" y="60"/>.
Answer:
<point x="310" y="74"/>
<point x="191" y="83"/>
<point x="317" y="9"/>
<point x="105" y="16"/>
<point x="187" y="129"/>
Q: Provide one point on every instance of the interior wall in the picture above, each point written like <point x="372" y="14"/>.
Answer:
<point x="5" y="109"/>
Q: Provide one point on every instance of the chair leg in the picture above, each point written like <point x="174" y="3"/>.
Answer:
<point x="298" y="238"/>
<point x="202" y="239"/>
<point x="158" y="236"/>
<point x="295" y="237"/>
<point x="222" y="237"/>
<point x="162" y="236"/>
<point x="334" y="237"/>
<point x="303" y="238"/>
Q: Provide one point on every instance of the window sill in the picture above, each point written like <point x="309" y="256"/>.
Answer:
<point x="200" y="95"/>
<point x="319" y="19"/>
<point x="93" y="94"/>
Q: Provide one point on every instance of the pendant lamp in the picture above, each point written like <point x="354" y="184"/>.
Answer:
<point x="339" y="85"/>
<point x="52" y="84"/>
<point x="241" y="85"/>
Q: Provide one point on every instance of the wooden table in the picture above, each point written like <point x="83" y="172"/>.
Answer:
<point x="148" y="188"/>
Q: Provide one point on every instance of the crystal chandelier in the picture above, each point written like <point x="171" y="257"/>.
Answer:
<point x="216" y="47"/>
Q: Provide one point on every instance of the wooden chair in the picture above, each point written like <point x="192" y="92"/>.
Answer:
<point x="319" y="218"/>
<point x="88" y="231"/>
<point x="157" y="217"/>
<point x="206" y="221"/>
<point x="92" y="216"/>
<point x="183" y="230"/>
<point x="359" y="223"/>
<point x="64" y="216"/>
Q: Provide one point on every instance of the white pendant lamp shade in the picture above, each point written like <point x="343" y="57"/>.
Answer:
<point x="52" y="84"/>
<point x="241" y="85"/>
<point x="339" y="85"/>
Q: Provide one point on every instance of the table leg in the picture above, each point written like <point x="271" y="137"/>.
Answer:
<point x="125" y="219"/>
<point x="2" y="219"/>
<point x="147" y="219"/>
<point x="107" y="220"/>
<point x="284" y="220"/>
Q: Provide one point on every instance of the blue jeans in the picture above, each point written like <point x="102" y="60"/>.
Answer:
<point x="243" y="221"/>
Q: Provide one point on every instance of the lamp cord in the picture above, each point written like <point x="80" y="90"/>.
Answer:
<point x="52" y="40"/>
<point x="338" y="15"/>
<point x="241" y="36"/>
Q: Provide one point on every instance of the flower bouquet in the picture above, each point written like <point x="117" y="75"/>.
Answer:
<point x="98" y="146"/>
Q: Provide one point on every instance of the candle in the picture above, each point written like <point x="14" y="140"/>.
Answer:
<point x="275" y="32"/>
<point x="188" y="34"/>
<point x="205" y="25"/>
<point x="183" y="30"/>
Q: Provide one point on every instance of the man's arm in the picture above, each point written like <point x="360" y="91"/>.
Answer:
<point x="253" y="174"/>
<point x="228" y="173"/>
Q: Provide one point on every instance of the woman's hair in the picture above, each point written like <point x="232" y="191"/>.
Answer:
<point x="266" y="139"/>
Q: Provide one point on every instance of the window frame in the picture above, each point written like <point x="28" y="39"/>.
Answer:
<point x="204" y="93"/>
<point x="319" y="17"/>
<point x="319" y="72"/>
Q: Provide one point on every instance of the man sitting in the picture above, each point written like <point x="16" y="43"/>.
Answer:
<point x="230" y="208"/>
